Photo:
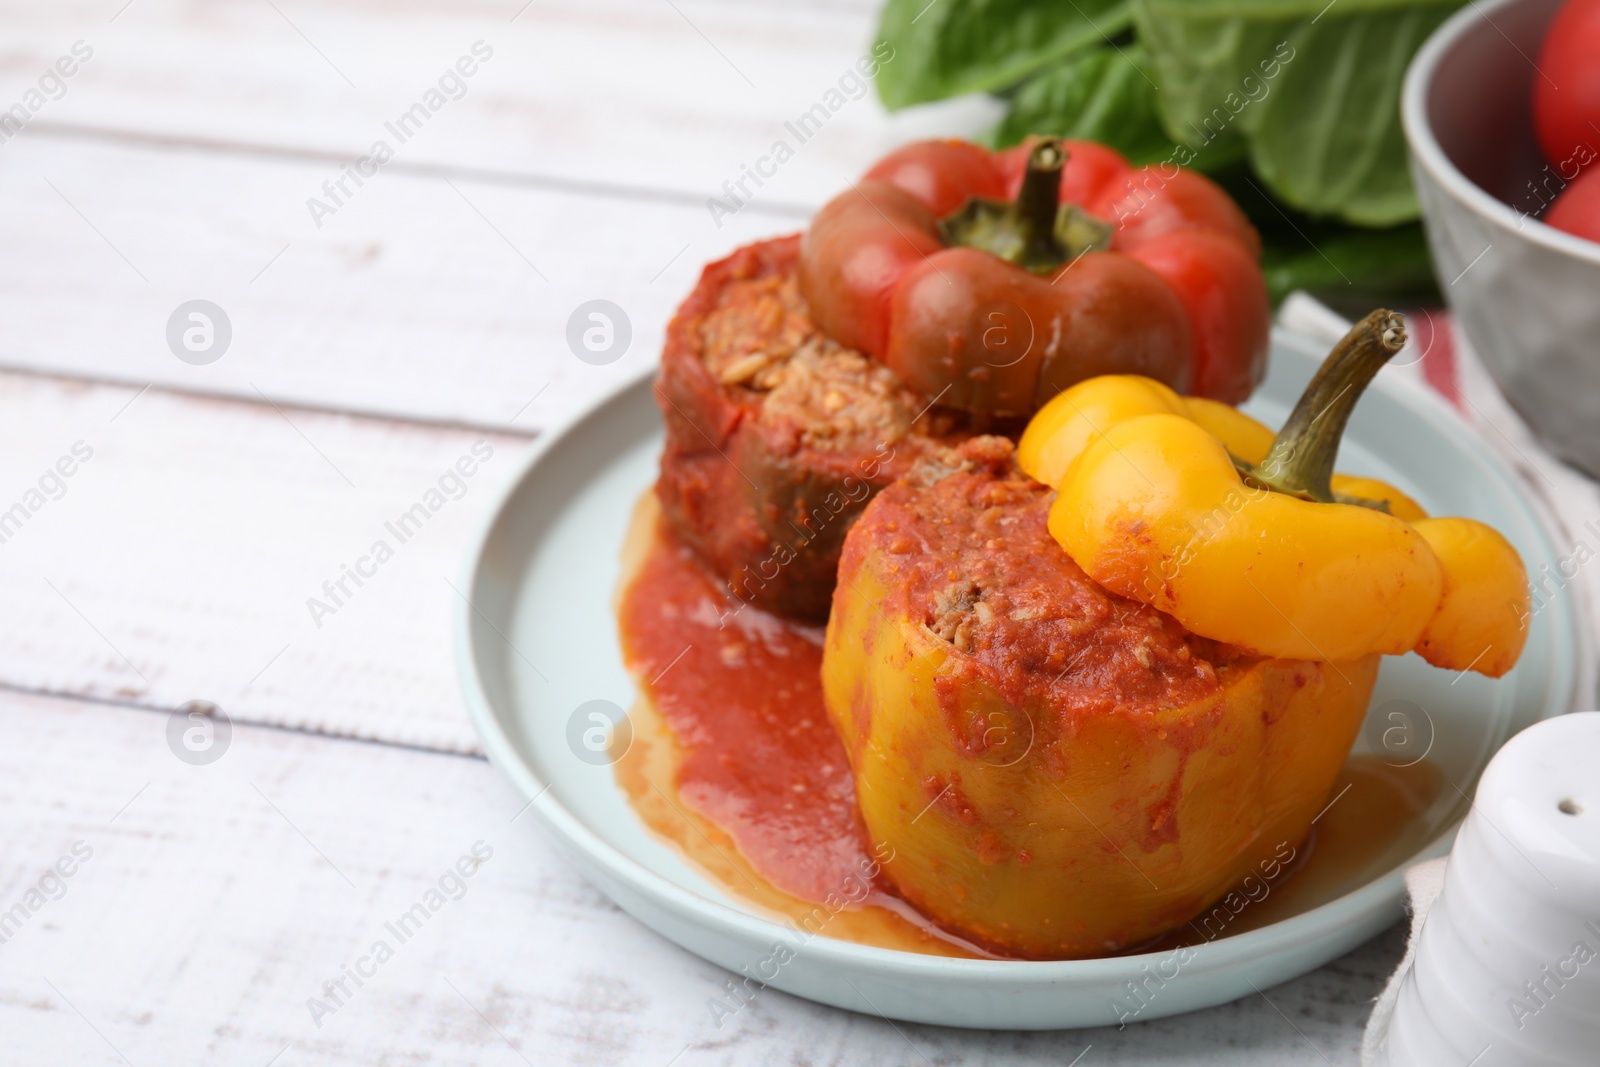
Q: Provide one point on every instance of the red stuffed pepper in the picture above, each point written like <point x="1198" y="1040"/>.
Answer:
<point x="994" y="280"/>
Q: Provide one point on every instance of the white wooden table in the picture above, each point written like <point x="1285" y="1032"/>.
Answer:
<point x="374" y="341"/>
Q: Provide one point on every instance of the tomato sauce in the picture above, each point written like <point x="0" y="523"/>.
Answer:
<point x="741" y="692"/>
<point x="734" y="758"/>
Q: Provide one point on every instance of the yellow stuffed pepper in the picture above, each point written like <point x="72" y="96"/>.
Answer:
<point x="1064" y="753"/>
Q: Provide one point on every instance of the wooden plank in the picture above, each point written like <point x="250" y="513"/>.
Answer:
<point x="424" y="297"/>
<point x="217" y="900"/>
<point x="179" y="559"/>
<point x="632" y="93"/>
<point x="428" y="293"/>
<point x="440" y="287"/>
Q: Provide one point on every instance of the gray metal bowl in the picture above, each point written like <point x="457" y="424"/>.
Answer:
<point x="1527" y="296"/>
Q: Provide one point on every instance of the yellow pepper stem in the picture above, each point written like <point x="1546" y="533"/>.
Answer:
<point x="1301" y="459"/>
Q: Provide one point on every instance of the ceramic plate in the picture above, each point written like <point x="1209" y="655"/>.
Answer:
<point x="537" y="638"/>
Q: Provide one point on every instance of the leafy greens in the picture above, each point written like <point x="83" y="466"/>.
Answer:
<point x="1298" y="98"/>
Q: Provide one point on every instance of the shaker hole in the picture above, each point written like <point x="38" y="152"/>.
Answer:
<point x="1570" y="806"/>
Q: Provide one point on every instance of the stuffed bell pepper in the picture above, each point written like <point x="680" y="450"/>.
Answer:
<point x="1085" y="688"/>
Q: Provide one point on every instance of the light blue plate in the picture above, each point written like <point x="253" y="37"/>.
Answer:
<point x="538" y="640"/>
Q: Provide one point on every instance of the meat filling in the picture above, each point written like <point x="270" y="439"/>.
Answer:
<point x="776" y="435"/>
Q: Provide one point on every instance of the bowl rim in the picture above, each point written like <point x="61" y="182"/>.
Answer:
<point x="1429" y="156"/>
<point x="1217" y="958"/>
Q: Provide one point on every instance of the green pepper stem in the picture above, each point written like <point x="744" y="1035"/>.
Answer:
<point x="1039" y="199"/>
<point x="1302" y="456"/>
<point x="1034" y="231"/>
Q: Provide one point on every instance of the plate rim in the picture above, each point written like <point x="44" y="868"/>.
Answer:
<point x="1318" y="925"/>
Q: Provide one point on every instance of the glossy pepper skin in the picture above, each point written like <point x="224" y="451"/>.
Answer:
<point x="1046" y="832"/>
<point x="1196" y="510"/>
<point x="1066" y="426"/>
<point x="1173" y="290"/>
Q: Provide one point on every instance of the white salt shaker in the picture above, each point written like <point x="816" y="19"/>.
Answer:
<point x="1507" y="967"/>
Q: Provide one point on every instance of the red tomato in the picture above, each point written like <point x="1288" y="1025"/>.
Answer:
<point x="1566" y="88"/>
<point x="1577" y="209"/>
